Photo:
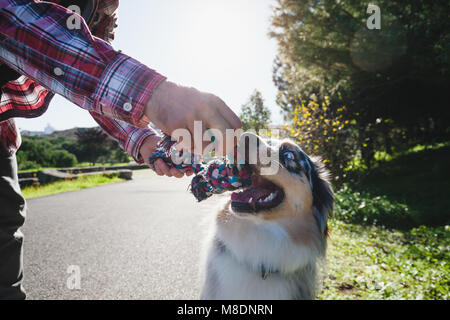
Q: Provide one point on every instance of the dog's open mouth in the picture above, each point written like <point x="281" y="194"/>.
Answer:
<point x="261" y="195"/>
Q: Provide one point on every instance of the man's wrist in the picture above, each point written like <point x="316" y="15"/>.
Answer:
<point x="138" y="138"/>
<point x="154" y="104"/>
<point x="148" y="146"/>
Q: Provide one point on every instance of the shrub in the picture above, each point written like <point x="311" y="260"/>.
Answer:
<point x="324" y="128"/>
<point x="62" y="158"/>
<point x="120" y="156"/>
<point x="361" y="207"/>
<point x="27" y="165"/>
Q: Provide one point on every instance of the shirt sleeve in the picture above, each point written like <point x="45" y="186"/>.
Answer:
<point x="38" y="40"/>
<point x="130" y="138"/>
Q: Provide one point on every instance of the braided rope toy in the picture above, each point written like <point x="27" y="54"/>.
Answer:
<point x="216" y="177"/>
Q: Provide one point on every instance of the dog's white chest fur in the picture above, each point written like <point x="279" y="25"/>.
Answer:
<point x="238" y="250"/>
<point x="235" y="281"/>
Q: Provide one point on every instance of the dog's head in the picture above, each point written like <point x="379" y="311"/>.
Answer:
<point x="290" y="187"/>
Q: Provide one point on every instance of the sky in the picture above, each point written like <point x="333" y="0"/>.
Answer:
<point x="217" y="46"/>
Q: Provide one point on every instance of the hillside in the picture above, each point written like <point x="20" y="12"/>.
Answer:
<point x="390" y="237"/>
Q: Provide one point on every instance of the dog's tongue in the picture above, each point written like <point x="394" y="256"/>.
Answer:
<point x="250" y="196"/>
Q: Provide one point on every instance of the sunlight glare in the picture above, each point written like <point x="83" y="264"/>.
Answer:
<point x="216" y="36"/>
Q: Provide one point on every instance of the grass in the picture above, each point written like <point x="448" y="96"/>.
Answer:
<point x="69" y="185"/>
<point x="372" y="262"/>
<point x="390" y="237"/>
<point x="81" y="164"/>
<point x="419" y="179"/>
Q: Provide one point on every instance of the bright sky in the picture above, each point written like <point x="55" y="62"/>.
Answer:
<point x="219" y="46"/>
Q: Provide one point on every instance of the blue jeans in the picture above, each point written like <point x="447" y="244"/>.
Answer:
<point x="12" y="217"/>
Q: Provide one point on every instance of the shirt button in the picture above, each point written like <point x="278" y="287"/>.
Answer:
<point x="127" y="107"/>
<point x="58" y="71"/>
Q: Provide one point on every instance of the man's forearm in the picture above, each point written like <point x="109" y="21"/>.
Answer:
<point x="36" y="42"/>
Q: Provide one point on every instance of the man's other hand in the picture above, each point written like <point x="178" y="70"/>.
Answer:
<point x="148" y="147"/>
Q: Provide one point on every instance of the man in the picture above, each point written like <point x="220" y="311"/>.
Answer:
<point x="40" y="55"/>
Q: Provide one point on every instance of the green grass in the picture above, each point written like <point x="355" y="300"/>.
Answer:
<point x="372" y="262"/>
<point x="69" y="185"/>
<point x="420" y="179"/>
<point x="356" y="164"/>
<point x="81" y="164"/>
<point x="362" y="207"/>
<point x="380" y="247"/>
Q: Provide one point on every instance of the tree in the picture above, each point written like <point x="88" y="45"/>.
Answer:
<point x="392" y="81"/>
<point x="44" y="151"/>
<point x="254" y="114"/>
<point x="63" y="159"/>
<point x="93" y="144"/>
<point x="118" y="155"/>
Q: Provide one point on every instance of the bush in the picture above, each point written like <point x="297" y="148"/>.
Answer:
<point x="62" y="158"/>
<point x="61" y="151"/>
<point x="45" y="152"/>
<point x="324" y="128"/>
<point x="361" y="207"/>
<point x="27" y="165"/>
<point x="120" y="156"/>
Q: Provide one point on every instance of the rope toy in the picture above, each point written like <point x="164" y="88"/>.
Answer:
<point x="218" y="176"/>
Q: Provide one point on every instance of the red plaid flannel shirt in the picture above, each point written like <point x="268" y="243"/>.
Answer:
<point x="36" y="42"/>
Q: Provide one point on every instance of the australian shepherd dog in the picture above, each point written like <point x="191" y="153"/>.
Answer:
<point x="268" y="240"/>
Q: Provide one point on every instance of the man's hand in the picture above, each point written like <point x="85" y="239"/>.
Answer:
<point x="174" y="107"/>
<point x="148" y="147"/>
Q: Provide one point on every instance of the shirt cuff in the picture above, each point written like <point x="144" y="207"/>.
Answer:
<point x="125" y="88"/>
<point x="134" y="142"/>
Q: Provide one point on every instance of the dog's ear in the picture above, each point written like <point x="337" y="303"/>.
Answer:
<point x="323" y="196"/>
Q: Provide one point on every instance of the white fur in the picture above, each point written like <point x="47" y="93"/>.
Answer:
<point x="250" y="243"/>
<point x="289" y="240"/>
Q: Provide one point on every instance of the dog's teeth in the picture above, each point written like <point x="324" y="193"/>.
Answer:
<point x="270" y="197"/>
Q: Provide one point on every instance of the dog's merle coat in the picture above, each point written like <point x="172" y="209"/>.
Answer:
<point x="233" y="275"/>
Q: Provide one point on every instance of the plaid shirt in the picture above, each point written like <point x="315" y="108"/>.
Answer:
<point x="36" y="42"/>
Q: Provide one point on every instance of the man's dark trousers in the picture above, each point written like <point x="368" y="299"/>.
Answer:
<point x="12" y="217"/>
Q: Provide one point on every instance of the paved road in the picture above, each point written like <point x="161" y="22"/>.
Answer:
<point x="133" y="240"/>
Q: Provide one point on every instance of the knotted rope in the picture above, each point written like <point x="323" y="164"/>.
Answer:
<point x="216" y="177"/>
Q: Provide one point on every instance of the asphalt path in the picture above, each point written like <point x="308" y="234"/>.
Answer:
<point x="133" y="240"/>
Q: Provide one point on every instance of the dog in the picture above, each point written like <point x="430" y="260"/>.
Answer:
<point x="267" y="241"/>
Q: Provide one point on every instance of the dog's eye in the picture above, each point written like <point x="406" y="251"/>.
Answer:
<point x="288" y="155"/>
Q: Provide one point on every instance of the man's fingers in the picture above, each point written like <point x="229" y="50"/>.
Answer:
<point x="228" y="114"/>
<point x="164" y="169"/>
<point x="157" y="168"/>
<point x="158" y="171"/>
<point x="176" y="173"/>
